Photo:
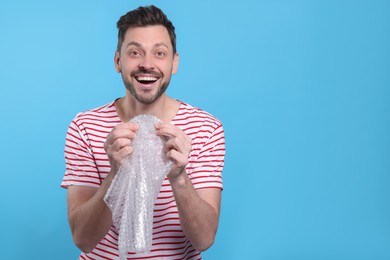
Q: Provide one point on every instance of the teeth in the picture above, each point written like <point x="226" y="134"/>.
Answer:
<point x="147" y="78"/>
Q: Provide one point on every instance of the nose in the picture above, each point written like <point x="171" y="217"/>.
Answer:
<point x="146" y="63"/>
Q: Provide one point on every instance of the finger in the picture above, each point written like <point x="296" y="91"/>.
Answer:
<point x="128" y="125"/>
<point x="170" y="144"/>
<point x="121" y="132"/>
<point x="118" y="157"/>
<point x="164" y="129"/>
<point x="124" y="127"/>
<point x="188" y="139"/>
<point x="168" y="130"/>
<point x="120" y="143"/>
<point x="179" y="144"/>
<point x="124" y="152"/>
<point x="177" y="158"/>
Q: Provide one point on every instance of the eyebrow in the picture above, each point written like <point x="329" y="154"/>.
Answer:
<point x="133" y="43"/>
<point x="161" y="44"/>
<point x="137" y="44"/>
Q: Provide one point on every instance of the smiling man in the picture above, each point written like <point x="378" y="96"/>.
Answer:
<point x="186" y="211"/>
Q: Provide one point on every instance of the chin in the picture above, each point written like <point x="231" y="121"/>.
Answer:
<point x="147" y="100"/>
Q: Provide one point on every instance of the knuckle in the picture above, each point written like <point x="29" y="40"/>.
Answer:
<point x="127" y="150"/>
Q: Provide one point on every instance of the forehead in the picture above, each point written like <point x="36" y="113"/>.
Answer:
<point x="148" y="36"/>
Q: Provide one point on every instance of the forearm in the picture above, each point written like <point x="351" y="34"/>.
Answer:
<point x="198" y="218"/>
<point x="91" y="219"/>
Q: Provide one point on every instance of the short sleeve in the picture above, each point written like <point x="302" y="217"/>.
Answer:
<point x="206" y="169"/>
<point x="81" y="167"/>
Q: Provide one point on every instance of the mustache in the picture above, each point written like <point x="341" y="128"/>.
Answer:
<point x="146" y="71"/>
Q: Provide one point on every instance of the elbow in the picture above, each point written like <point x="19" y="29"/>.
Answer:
<point x="84" y="241"/>
<point x="204" y="244"/>
<point x="83" y="244"/>
<point x="84" y="247"/>
<point x="203" y="248"/>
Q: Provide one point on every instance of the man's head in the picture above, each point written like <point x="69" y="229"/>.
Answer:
<point x="146" y="55"/>
<point x="145" y="16"/>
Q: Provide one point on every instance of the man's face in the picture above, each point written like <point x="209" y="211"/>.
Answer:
<point x="146" y="62"/>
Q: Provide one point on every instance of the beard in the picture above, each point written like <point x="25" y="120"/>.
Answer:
<point x="145" y="99"/>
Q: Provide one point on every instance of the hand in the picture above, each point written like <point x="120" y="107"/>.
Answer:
<point x="118" y="144"/>
<point x="177" y="147"/>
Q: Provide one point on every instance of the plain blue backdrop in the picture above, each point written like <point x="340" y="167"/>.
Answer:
<point x="303" y="90"/>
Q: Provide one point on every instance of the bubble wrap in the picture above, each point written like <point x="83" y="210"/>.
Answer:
<point x="135" y="187"/>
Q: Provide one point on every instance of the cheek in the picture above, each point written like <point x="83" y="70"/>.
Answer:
<point x="169" y="69"/>
<point x="126" y="69"/>
<point x="128" y="64"/>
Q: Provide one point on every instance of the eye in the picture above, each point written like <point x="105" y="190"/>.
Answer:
<point x="160" y="54"/>
<point x="134" y="53"/>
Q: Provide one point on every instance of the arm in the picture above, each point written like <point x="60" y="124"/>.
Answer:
<point x="89" y="217"/>
<point x="198" y="209"/>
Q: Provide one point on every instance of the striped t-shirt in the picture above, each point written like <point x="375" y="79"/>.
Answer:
<point x="87" y="165"/>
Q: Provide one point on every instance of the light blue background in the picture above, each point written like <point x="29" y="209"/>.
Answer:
<point x="303" y="90"/>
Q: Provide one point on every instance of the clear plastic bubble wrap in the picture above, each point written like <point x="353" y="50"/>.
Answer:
<point x="134" y="189"/>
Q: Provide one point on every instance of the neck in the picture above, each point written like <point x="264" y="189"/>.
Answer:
<point x="164" y="108"/>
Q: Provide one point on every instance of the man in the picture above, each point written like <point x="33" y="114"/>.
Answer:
<point x="187" y="209"/>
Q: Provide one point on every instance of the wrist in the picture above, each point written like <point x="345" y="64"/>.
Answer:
<point x="178" y="179"/>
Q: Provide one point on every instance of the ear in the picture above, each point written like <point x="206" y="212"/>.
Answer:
<point x="117" y="62"/>
<point x="175" y="65"/>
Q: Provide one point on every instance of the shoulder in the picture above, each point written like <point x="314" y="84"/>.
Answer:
<point x="107" y="110"/>
<point x="106" y="113"/>
<point x="194" y="116"/>
<point x="100" y="119"/>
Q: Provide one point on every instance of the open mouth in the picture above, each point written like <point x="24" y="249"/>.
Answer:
<point x="146" y="79"/>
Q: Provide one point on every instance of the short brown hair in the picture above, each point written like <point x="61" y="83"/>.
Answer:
<point x="144" y="16"/>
